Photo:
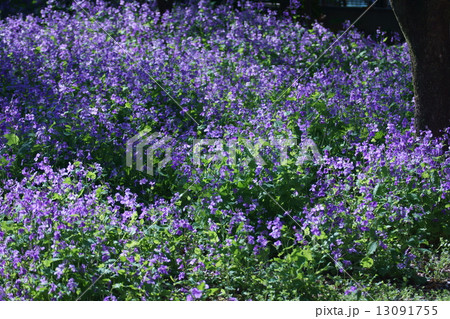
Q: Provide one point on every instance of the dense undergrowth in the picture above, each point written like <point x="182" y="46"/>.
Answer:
<point x="361" y="211"/>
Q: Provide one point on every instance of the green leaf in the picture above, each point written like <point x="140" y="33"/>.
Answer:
<point x="201" y="286"/>
<point x="132" y="244"/>
<point x="48" y="262"/>
<point x="117" y="286"/>
<point x="57" y="196"/>
<point x="3" y="161"/>
<point x="379" y="135"/>
<point x="91" y="175"/>
<point x="307" y="254"/>
<point x="375" y="190"/>
<point x="212" y="291"/>
<point x="100" y="191"/>
<point x="367" y="262"/>
<point x="385" y="171"/>
<point x="13" y="139"/>
<point x="372" y="247"/>
<point x="240" y="227"/>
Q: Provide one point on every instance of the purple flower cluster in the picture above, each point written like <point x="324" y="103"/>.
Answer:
<point x="75" y="87"/>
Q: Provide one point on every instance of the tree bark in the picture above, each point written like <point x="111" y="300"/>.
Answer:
<point x="426" y="27"/>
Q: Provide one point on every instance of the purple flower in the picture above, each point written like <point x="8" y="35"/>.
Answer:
<point x="110" y="298"/>
<point x="351" y="290"/>
<point x="59" y="270"/>
<point x="196" y="293"/>
<point x="72" y="285"/>
<point x="315" y="231"/>
<point x="262" y="240"/>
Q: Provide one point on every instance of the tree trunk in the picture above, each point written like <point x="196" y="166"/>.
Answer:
<point x="164" y="5"/>
<point x="426" y="27"/>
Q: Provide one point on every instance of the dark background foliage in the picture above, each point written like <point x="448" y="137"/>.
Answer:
<point x="13" y="7"/>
